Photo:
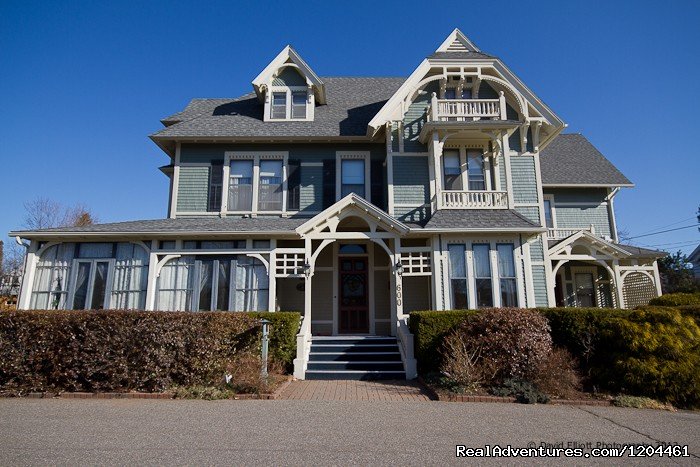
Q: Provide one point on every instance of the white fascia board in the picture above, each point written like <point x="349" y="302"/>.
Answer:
<point x="257" y="139"/>
<point x="476" y="231"/>
<point x="587" y="185"/>
<point x="160" y="234"/>
<point x="385" y="112"/>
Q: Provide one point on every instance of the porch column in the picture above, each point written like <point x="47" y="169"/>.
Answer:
<point x="272" y="280"/>
<point x="436" y="154"/>
<point x="152" y="278"/>
<point x="618" y="285"/>
<point x="398" y="285"/>
<point x="30" y="261"/>
<point x="307" y="281"/>
<point x="657" y="279"/>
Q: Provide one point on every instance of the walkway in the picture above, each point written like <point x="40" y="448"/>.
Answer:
<point x="350" y="390"/>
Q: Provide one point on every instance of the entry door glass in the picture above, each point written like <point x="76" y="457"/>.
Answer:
<point x="99" y="285"/>
<point x="81" y="286"/>
<point x="91" y="285"/>
<point x="584" y="289"/>
<point x="353" y="309"/>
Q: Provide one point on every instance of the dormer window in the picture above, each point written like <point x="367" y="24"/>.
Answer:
<point x="289" y="103"/>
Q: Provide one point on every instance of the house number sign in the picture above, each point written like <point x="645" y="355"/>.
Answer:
<point x="399" y="295"/>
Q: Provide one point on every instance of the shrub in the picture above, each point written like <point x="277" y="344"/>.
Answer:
<point x="676" y="299"/>
<point x="429" y="329"/>
<point x="691" y="311"/>
<point x="506" y="343"/>
<point x="284" y="327"/>
<point x="462" y="363"/>
<point x="121" y="350"/>
<point x="637" y="402"/>
<point x="557" y="375"/>
<point x="525" y="392"/>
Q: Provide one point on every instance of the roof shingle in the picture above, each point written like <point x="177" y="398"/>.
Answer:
<point x="478" y="219"/>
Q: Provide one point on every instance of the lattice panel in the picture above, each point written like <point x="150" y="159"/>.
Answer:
<point x="289" y="265"/>
<point x="638" y="289"/>
<point x="416" y="263"/>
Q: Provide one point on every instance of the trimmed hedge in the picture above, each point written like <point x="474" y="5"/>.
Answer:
<point x="651" y="351"/>
<point x="429" y="329"/>
<point x="284" y="327"/>
<point x="128" y="350"/>
<point x="677" y="299"/>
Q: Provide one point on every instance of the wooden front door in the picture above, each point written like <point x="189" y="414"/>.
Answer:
<point x="353" y="306"/>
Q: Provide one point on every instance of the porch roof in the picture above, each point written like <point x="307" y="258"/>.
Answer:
<point x="493" y="220"/>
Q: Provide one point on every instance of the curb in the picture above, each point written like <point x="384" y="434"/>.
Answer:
<point x="511" y="400"/>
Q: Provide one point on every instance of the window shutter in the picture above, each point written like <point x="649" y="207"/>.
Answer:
<point x="378" y="183"/>
<point x="293" y="184"/>
<point x="216" y="182"/>
<point x="328" y="182"/>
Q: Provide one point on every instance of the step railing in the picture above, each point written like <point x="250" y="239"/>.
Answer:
<point x="301" y="363"/>
<point x="405" y="340"/>
<point x="451" y="199"/>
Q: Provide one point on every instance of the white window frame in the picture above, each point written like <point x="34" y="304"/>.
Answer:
<point x="593" y="271"/>
<point x="464" y="167"/>
<point x="256" y="157"/>
<point x="288" y="113"/>
<point x="91" y="281"/>
<point x="340" y="156"/>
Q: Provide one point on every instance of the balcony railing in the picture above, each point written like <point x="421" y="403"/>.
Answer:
<point x="473" y="200"/>
<point x="465" y="110"/>
<point x="560" y="234"/>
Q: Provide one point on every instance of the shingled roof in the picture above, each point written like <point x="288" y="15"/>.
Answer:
<point x="352" y="102"/>
<point x="479" y="219"/>
<point x="571" y="159"/>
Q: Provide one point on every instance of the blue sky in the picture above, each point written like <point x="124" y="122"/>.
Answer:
<point x="82" y="84"/>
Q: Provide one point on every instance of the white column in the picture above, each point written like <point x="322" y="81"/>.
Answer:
<point x="307" y="280"/>
<point x="30" y="262"/>
<point x="657" y="278"/>
<point x="436" y="154"/>
<point x="175" y="182"/>
<point x="152" y="277"/>
<point x="272" y="279"/>
<point x="618" y="285"/>
<point x="398" y="285"/>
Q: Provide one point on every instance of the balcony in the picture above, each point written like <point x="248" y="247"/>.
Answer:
<point x="473" y="200"/>
<point x="466" y="110"/>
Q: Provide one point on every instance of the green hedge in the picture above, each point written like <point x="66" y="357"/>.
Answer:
<point x="284" y="327"/>
<point x="429" y="328"/>
<point x="129" y="350"/>
<point x="651" y="351"/>
<point x="677" y="299"/>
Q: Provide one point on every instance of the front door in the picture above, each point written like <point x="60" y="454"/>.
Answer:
<point x="353" y="308"/>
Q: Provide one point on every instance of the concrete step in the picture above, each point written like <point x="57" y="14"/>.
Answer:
<point x="355" y="375"/>
<point x="352" y="348"/>
<point x="360" y="366"/>
<point x="392" y="356"/>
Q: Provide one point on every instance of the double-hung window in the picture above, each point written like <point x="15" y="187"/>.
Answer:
<point x="506" y="274"/>
<point x="299" y="105"/>
<point x="458" y="276"/>
<point x="548" y="217"/>
<point x="482" y="274"/>
<point x="278" y="109"/>
<point x="241" y="185"/>
<point x="352" y="177"/>
<point x="270" y="186"/>
<point x="475" y="170"/>
<point x="452" y="170"/>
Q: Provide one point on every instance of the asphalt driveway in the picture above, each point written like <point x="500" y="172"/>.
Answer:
<point x="283" y="432"/>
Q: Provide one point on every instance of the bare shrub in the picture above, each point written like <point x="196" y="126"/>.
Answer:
<point x="461" y="362"/>
<point x="557" y="375"/>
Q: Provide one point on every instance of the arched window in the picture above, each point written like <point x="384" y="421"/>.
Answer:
<point x="51" y="278"/>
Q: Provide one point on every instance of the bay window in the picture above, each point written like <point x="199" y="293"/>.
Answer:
<point x="482" y="275"/>
<point x="506" y="274"/>
<point x="458" y="276"/>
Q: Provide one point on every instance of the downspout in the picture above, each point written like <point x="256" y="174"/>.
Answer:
<point x="442" y="274"/>
<point x="19" y="241"/>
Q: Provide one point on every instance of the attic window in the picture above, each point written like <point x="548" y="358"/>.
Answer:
<point x="289" y="103"/>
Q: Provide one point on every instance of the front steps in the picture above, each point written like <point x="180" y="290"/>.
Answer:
<point x="355" y="357"/>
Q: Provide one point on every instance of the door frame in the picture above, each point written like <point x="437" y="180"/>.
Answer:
<point x="370" y="282"/>
<point x="593" y="271"/>
<point x="106" y="305"/>
<point x="363" y="258"/>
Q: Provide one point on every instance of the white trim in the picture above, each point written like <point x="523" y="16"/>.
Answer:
<point x="176" y="182"/>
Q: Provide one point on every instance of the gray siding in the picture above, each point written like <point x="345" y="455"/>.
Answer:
<point x="524" y="181"/>
<point x="539" y="283"/>
<point x="193" y="188"/>
<point x="573" y="217"/>
<point x="530" y="212"/>
<point x="578" y="195"/>
<point x="536" y="250"/>
<point x="502" y="172"/>
<point x="411" y="187"/>
<point x="415" y="117"/>
<point x="311" y="189"/>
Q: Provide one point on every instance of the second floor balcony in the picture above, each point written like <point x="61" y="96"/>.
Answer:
<point x="466" y="110"/>
<point x="452" y="199"/>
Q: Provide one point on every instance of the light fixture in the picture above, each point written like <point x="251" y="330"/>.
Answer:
<point x="399" y="267"/>
<point x="307" y="269"/>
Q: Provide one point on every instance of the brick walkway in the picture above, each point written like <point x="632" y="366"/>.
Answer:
<point x="349" y="390"/>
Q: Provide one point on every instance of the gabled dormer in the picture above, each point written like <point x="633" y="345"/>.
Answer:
<point x="289" y="88"/>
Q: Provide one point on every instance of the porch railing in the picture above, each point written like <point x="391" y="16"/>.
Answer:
<point x="303" y="348"/>
<point x="443" y="110"/>
<point x="473" y="200"/>
<point x="560" y="234"/>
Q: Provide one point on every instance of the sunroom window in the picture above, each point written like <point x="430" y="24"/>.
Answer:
<point x="482" y="275"/>
<point x="506" y="274"/>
